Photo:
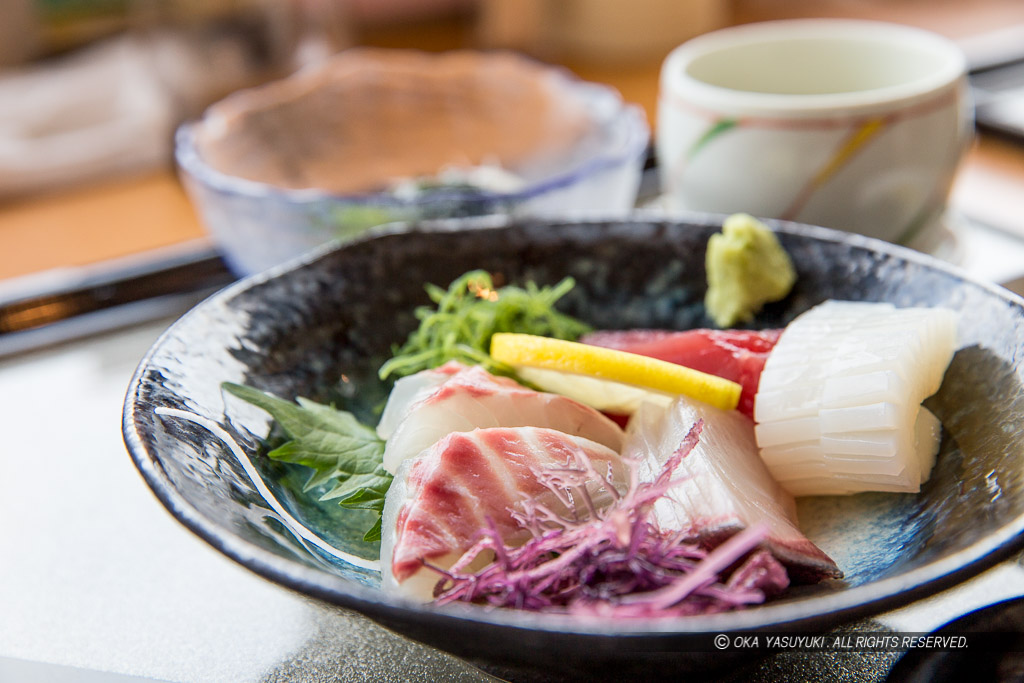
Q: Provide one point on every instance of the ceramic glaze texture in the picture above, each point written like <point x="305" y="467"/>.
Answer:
<point x="321" y="328"/>
<point x="860" y="129"/>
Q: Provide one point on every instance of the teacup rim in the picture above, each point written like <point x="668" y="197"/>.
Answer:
<point x="677" y="84"/>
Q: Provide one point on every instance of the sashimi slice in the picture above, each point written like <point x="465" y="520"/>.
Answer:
<point x="839" y="403"/>
<point x="805" y="474"/>
<point x="724" y="487"/>
<point x="440" y="500"/>
<point x="409" y="390"/>
<point x="737" y="355"/>
<point x="472" y="398"/>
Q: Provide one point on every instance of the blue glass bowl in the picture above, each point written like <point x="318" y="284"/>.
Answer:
<point x="257" y="224"/>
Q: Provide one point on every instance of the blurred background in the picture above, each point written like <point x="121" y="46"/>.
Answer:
<point x="92" y="90"/>
<point x="94" y="219"/>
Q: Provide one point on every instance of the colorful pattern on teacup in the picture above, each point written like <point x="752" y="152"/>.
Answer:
<point x="860" y="132"/>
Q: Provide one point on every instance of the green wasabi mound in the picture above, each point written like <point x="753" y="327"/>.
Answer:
<point x="747" y="268"/>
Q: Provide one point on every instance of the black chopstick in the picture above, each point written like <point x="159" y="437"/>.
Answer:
<point x="40" y="311"/>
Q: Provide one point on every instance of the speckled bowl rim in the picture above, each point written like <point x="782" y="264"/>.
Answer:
<point x="630" y="117"/>
<point x="819" y="611"/>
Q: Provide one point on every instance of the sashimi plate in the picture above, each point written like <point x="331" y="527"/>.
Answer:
<point x="320" y="328"/>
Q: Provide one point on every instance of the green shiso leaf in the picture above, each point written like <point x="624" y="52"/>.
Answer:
<point x="333" y="443"/>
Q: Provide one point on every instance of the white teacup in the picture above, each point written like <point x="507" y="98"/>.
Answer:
<point x="855" y="125"/>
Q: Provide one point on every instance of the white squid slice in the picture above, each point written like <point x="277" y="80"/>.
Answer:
<point x="838" y="407"/>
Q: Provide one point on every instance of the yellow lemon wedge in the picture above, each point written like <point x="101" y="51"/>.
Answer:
<point x="607" y="379"/>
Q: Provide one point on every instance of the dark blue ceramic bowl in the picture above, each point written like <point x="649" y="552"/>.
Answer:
<point x="320" y="328"/>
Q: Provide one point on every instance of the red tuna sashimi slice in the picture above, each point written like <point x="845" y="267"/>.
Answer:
<point x="472" y="398"/>
<point x="724" y="486"/>
<point x="440" y="500"/>
<point x="737" y="355"/>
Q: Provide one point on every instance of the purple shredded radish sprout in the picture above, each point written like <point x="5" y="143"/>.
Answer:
<point x="612" y="561"/>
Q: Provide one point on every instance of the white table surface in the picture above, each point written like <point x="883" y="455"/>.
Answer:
<point x="97" y="577"/>
<point x="99" y="583"/>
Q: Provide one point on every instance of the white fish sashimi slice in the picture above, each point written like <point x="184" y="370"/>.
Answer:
<point x="857" y="413"/>
<point x="723" y="484"/>
<point x="408" y="390"/>
<point x="472" y="398"/>
<point x="441" y="499"/>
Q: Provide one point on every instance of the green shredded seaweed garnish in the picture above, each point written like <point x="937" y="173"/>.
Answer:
<point x="466" y="316"/>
